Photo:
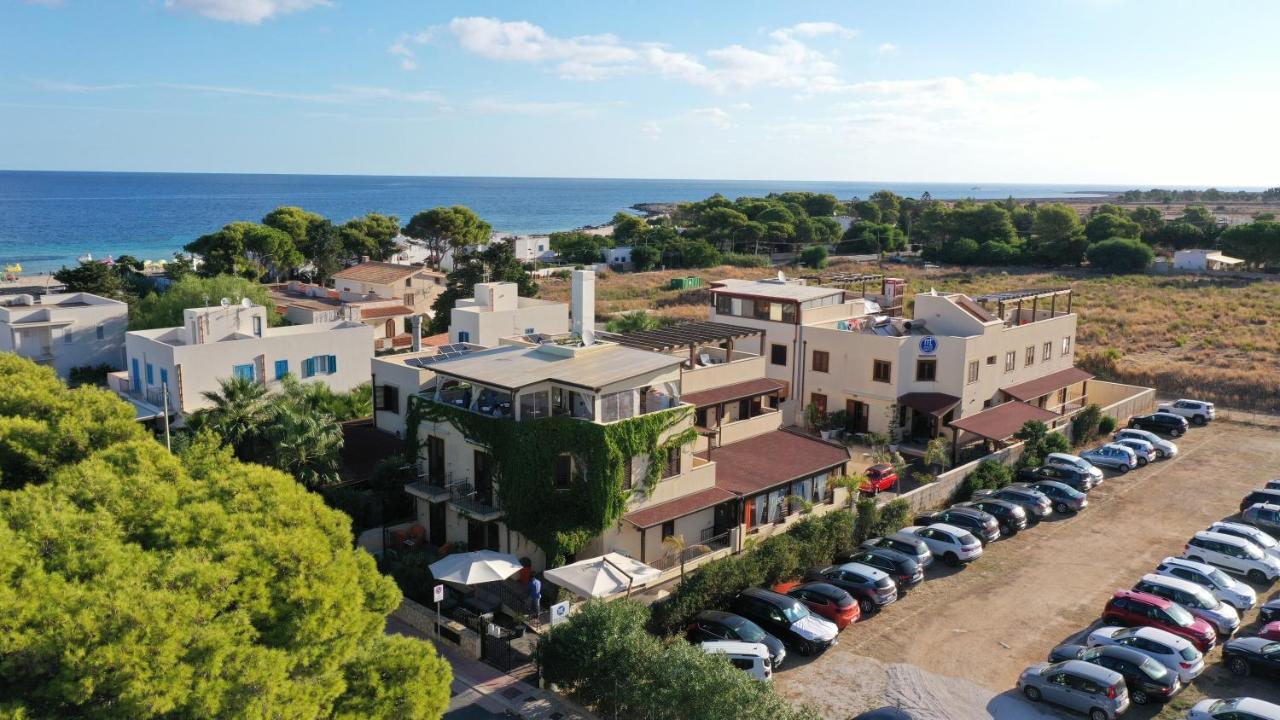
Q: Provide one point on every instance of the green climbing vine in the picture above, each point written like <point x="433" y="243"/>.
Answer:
<point x="560" y="520"/>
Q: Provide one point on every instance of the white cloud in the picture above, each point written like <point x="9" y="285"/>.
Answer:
<point x="250" y="12"/>
<point x="886" y="48"/>
<point x="813" y="29"/>
<point x="499" y="106"/>
<point x="408" y="58"/>
<point x="714" y="116"/>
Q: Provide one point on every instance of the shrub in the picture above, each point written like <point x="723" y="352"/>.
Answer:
<point x="962" y="251"/>
<point x="867" y="514"/>
<point x="992" y="252"/>
<point x="1084" y="426"/>
<point x="88" y="375"/>
<point x="777" y="559"/>
<point x="989" y="475"/>
<point x="746" y="260"/>
<point x="1106" y="425"/>
<point x="645" y="257"/>
<point x="1120" y="255"/>
<point x="814" y="256"/>
<point x="891" y="518"/>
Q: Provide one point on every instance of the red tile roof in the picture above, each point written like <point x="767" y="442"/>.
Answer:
<point x="1033" y="389"/>
<point x="436" y="340"/>
<point x="379" y="312"/>
<point x="929" y="402"/>
<point x="1002" y="421"/>
<point x="736" y="391"/>
<point x="765" y="461"/>
<point x="377" y="273"/>
<point x="678" y="508"/>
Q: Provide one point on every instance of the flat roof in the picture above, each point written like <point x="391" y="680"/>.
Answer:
<point x="679" y="336"/>
<point x="516" y="366"/>
<point x="766" y="461"/>
<point x="773" y="289"/>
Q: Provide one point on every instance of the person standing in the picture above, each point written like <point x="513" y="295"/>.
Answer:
<point x="535" y="595"/>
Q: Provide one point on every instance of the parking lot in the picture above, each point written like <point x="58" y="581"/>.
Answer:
<point x="985" y="623"/>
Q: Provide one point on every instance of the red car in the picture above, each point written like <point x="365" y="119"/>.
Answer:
<point x="1128" y="607"/>
<point x="879" y="477"/>
<point x="1270" y="631"/>
<point x="825" y="600"/>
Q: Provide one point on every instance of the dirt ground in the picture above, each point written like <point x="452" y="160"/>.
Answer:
<point x="953" y="648"/>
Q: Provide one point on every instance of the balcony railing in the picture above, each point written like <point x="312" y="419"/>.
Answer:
<point x="482" y="506"/>
<point x="708" y="542"/>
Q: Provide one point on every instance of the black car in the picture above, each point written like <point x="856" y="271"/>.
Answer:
<point x="1033" y="502"/>
<point x="983" y="525"/>
<point x="1147" y="680"/>
<point x="856" y="579"/>
<point x="884" y="713"/>
<point x="1165" y="423"/>
<point x="1070" y="477"/>
<point x="787" y="619"/>
<point x="1011" y="517"/>
<point x="1269" y="497"/>
<point x="904" y="569"/>
<point x="1248" y="655"/>
<point x="711" y="625"/>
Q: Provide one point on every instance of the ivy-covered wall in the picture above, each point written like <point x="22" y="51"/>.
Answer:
<point x="560" y="521"/>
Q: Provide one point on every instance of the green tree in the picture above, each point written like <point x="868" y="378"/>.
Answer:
<point x="1106" y="226"/>
<point x="1057" y="236"/>
<point x="982" y="223"/>
<point x="1179" y="235"/>
<point x="1202" y="218"/>
<point x="645" y="257"/>
<point x="866" y="210"/>
<point x="628" y="229"/>
<point x="1120" y="255"/>
<point x="180" y="267"/>
<point x="293" y="221"/>
<point x="1257" y="243"/>
<point x="441" y="228"/>
<point x="373" y="235"/>
<point x="634" y="321"/>
<point x="988" y="475"/>
<point x="814" y="256"/>
<point x="496" y="263"/>
<point x="164" y="309"/>
<point x="889" y="204"/>
<point x="138" y="584"/>
<point x="579" y="247"/>
<point x="1149" y="218"/>
<point x="325" y="250"/>
<point x="97" y="278"/>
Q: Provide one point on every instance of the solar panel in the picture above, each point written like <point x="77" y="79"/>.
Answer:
<point x="443" y="352"/>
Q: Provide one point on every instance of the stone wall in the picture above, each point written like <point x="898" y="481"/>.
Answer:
<point x="452" y="633"/>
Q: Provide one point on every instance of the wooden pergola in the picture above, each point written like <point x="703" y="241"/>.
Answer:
<point x="690" y="336"/>
<point x="1016" y="299"/>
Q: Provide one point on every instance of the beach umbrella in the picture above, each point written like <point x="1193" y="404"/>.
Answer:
<point x="602" y="576"/>
<point x="473" y="568"/>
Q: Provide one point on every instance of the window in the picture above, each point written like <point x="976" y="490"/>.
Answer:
<point x="778" y="354"/>
<point x="724" y="305"/>
<point x="926" y="370"/>
<point x="257" y="326"/>
<point x="673" y="463"/>
<point x="762" y="308"/>
<point x="991" y="359"/>
<point x="151" y="373"/>
<point x="308" y="367"/>
<point x="668" y="529"/>
<point x="66" y="336"/>
<point x="282" y="369"/>
<point x="564" y="471"/>
<point x="102" y="332"/>
<point x="628" y="474"/>
<point x="535" y="405"/>
<point x="1031" y="356"/>
<point x="240" y="371"/>
<point x="973" y="371"/>
<point x="789" y="313"/>
<point x="882" y="371"/>
<point x="164" y="378"/>
<point x="1066" y="346"/>
<point x="388" y="399"/>
<point x="821" y="361"/>
<point x="819" y="401"/>
<point x="617" y="406"/>
<point x="1010" y="360"/>
<point x="319" y="365"/>
<point x="1046" y="352"/>
<point x="464" y="336"/>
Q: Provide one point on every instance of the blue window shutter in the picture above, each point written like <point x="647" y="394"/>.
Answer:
<point x="137" y="376"/>
<point x="282" y="368"/>
<point x="164" y="376"/>
<point x="243" y="371"/>
<point x="308" y="367"/>
<point x="333" y="364"/>
<point x="151" y="374"/>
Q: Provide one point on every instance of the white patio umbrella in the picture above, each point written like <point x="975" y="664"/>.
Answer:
<point x="602" y="576"/>
<point x="473" y="568"/>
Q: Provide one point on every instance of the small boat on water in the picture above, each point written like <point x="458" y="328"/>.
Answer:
<point x="85" y="258"/>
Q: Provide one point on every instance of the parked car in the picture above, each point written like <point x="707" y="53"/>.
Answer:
<point x="982" y="525"/>
<point x="902" y="568"/>
<point x="1167" y="423"/>
<point x="712" y="625"/>
<point x="905" y="543"/>
<point x="1065" y="499"/>
<point x="879" y="478"/>
<point x="1241" y="708"/>
<point x="1114" y="456"/>
<point x="1270" y="610"/>
<point x="1255" y="497"/>
<point x="1224" y="587"/>
<point x="1197" y="601"/>
<point x="1254" y="532"/>
<point x="1035" y="503"/>
<point x="951" y="544"/>
<point x="1165" y="449"/>
<point x="871" y="588"/>
<point x="1010" y="516"/>
<point x="885" y="713"/>
<point x="1084" y="687"/>
<point x="786" y="618"/>
<point x="1198" y="412"/>
<point x="1146" y="678"/>
<point x="1072" y="478"/>
<point x="1248" y="655"/>
<point x="1272" y="485"/>
<point x="1127" y="607"/>
<point x="1264" y="516"/>
<point x="1232" y="554"/>
<point x="1175" y="653"/>
<point x="1271" y="631"/>
<point x="828" y="601"/>
<point x="1075" y="462"/>
<point x="1143" y="450"/>
<point x="753" y="658"/>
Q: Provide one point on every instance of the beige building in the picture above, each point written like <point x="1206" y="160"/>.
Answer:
<point x="64" y="330"/>
<point x="415" y="287"/>
<point x="303" y="304"/>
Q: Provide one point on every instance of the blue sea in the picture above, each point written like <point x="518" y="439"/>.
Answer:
<point x="48" y="219"/>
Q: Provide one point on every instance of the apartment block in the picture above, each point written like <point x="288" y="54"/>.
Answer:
<point x="64" y="330"/>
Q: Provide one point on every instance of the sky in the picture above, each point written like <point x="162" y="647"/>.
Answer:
<point x="1052" y="91"/>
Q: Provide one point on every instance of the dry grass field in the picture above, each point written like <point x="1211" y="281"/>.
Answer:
<point x="1217" y="338"/>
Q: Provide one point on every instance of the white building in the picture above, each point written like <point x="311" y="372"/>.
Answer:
<point x="1203" y="260"/>
<point x="64" y="330"/>
<point x="415" y="287"/>
<point x="617" y="256"/>
<point x="234" y="340"/>
<point x="497" y="311"/>
<point x="303" y="303"/>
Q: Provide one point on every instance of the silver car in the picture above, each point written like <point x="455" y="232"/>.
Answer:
<point x="1175" y="653"/>
<point x="1145" y="451"/>
<point x="1074" y="462"/>
<point x="1117" y="457"/>
<point x="905" y="543"/>
<point x="1234" y="709"/>
<point x="1235" y="593"/>
<point x="1164" y="448"/>
<point x="1081" y="686"/>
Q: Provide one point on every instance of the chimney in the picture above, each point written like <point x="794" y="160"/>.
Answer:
<point x="415" y="327"/>
<point x="583" y="306"/>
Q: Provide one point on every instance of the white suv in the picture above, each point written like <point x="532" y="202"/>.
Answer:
<point x="1232" y="554"/>
<point x="1227" y="589"/>
<point x="1197" y="411"/>
<point x="949" y="543"/>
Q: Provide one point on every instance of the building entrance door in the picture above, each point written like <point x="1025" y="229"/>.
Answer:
<point x="859" y="415"/>
<point x="435" y="524"/>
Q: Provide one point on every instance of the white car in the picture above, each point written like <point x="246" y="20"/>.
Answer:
<point x="1198" y="412"/>
<point x="1248" y="532"/>
<point x="1117" y="457"/>
<point x="1074" y="462"/>
<point x="1241" y="708"/>
<point x="1224" y="587"/>
<point x="1175" y="653"/>
<point x="753" y="658"/>
<point x="948" y="543"/>
<point x="1197" y="600"/>
<point x="1164" y="448"/>
<point x="1233" y="554"/>
<point x="1143" y="450"/>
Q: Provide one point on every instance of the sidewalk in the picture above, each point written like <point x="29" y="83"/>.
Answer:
<point x="475" y="683"/>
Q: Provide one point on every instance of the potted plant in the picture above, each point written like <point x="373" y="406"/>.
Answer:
<point x="832" y="424"/>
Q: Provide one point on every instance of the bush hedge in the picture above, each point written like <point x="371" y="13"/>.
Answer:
<point x="1085" y="425"/>
<point x="1106" y="425"/>
<point x="989" y="475"/>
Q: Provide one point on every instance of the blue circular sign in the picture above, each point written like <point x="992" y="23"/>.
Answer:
<point x="928" y="344"/>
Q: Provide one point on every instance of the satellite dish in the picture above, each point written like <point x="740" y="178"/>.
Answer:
<point x="225" y="302"/>
<point x="246" y="303"/>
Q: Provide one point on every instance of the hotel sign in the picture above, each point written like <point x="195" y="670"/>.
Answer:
<point x="928" y="345"/>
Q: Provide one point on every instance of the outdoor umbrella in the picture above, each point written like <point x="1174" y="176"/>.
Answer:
<point x="473" y="568"/>
<point x="602" y="576"/>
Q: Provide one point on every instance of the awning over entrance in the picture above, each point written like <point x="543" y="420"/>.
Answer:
<point x="730" y="393"/>
<point x="930" y="403"/>
<point x="1002" y="421"/>
<point x="1052" y="382"/>
<point x="678" y="508"/>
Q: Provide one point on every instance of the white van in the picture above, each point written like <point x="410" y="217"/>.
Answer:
<point x="1232" y="554"/>
<point x="751" y="657"/>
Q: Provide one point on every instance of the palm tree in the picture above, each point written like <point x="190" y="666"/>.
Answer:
<point x="633" y="321"/>
<point x="241" y="414"/>
<point x="677" y="546"/>
<point x="306" y="445"/>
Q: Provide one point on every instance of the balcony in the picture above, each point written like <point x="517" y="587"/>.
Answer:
<point x="481" y="506"/>
<point x="427" y="491"/>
